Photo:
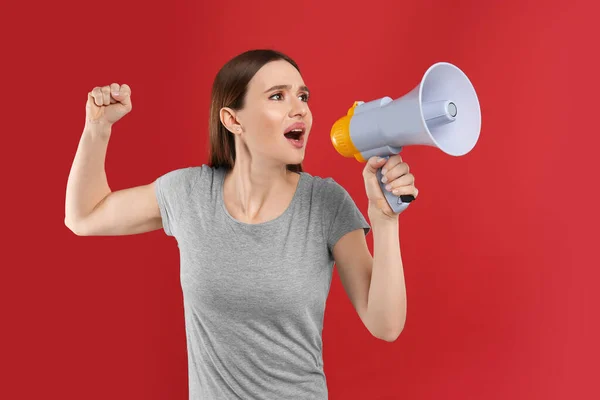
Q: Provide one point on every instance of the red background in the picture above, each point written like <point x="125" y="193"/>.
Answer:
<point x="500" y="249"/>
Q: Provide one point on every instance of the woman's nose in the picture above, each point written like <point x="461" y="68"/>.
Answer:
<point x="299" y="107"/>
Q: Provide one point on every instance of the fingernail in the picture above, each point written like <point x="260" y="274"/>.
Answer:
<point x="384" y="171"/>
<point x="384" y="179"/>
<point x="388" y="187"/>
<point x="380" y="159"/>
<point x="115" y="93"/>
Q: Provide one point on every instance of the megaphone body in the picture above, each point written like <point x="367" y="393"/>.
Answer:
<point x="441" y="111"/>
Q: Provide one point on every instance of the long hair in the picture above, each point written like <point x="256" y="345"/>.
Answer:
<point x="229" y="90"/>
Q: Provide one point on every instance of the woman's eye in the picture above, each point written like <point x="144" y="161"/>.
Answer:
<point x="303" y="96"/>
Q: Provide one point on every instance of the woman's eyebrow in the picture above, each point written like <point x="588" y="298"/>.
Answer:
<point x="287" y="87"/>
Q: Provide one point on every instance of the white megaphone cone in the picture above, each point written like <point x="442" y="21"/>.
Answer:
<point x="441" y="111"/>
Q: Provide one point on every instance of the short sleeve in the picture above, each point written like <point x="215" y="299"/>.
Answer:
<point x="341" y="213"/>
<point x="172" y="194"/>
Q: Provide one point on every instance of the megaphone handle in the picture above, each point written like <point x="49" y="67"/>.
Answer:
<point x="397" y="203"/>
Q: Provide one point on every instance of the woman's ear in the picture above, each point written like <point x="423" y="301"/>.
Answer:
<point x="229" y="120"/>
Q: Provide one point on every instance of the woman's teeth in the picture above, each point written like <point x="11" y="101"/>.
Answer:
<point x="294" y="134"/>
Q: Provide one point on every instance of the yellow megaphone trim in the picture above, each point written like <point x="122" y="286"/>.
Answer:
<point x="340" y="136"/>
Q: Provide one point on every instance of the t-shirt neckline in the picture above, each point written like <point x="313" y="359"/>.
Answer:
<point x="275" y="220"/>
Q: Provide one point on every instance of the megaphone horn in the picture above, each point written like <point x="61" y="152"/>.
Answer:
<point x="442" y="111"/>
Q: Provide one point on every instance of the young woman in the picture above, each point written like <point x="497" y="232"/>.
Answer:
<point x="258" y="236"/>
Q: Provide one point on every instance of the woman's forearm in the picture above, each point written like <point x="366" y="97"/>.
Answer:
<point x="87" y="184"/>
<point x="387" y="292"/>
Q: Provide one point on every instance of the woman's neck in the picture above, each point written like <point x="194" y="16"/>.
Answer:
<point x="255" y="191"/>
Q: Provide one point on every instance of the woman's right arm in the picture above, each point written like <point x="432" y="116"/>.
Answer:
<point x="91" y="208"/>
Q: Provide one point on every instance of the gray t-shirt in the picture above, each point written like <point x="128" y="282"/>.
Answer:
<point x="254" y="294"/>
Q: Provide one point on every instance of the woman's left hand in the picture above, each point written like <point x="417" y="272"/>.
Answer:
<point x="397" y="178"/>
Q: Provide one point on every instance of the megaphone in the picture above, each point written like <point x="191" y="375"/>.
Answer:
<point x="441" y="111"/>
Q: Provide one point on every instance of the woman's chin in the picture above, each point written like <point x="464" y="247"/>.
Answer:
<point x="296" y="159"/>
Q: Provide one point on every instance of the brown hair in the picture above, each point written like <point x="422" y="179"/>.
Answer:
<point x="229" y="90"/>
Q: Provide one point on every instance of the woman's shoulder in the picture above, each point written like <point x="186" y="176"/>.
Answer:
<point x="325" y="187"/>
<point x="193" y="171"/>
<point x="188" y="176"/>
<point x="319" y="180"/>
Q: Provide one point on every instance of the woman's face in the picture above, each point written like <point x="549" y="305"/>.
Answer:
<point x="276" y="102"/>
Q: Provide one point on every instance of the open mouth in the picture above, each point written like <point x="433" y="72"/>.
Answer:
<point x="295" y="134"/>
